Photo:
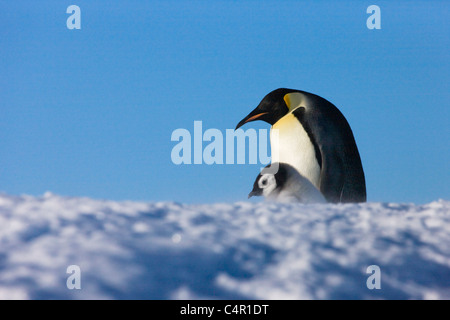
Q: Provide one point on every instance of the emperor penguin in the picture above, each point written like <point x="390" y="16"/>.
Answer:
<point x="310" y="134"/>
<point x="286" y="185"/>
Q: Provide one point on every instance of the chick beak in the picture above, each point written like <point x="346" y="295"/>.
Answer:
<point x="252" y="194"/>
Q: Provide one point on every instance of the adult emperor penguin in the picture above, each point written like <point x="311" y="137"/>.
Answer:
<point x="286" y="185"/>
<point x="311" y="134"/>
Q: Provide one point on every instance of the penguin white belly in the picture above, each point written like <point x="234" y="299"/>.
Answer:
<point x="291" y="144"/>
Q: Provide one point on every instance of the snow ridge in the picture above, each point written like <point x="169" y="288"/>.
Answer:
<point x="163" y="250"/>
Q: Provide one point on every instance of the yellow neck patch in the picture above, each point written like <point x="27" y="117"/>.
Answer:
<point x="293" y="100"/>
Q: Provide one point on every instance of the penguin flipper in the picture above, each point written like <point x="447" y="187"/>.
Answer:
<point x="342" y="176"/>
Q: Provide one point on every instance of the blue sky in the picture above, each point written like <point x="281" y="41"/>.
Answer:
<point x="90" y="112"/>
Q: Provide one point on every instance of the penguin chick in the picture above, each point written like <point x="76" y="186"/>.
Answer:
<point x="285" y="185"/>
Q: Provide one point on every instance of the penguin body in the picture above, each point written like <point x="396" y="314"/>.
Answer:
<point x="291" y="144"/>
<point x="311" y="134"/>
<point x="285" y="185"/>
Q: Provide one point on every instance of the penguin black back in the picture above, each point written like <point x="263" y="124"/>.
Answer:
<point x="342" y="176"/>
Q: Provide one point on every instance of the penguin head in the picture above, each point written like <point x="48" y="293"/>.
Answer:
<point x="265" y="184"/>
<point x="268" y="183"/>
<point x="272" y="107"/>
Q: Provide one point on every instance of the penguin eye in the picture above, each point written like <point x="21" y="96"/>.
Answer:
<point x="264" y="182"/>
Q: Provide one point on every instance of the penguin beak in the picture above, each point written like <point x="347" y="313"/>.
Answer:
<point x="255" y="193"/>
<point x="254" y="115"/>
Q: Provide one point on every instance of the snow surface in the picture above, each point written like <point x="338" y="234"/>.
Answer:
<point x="221" y="251"/>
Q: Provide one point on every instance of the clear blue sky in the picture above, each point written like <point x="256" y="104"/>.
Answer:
<point x="90" y="112"/>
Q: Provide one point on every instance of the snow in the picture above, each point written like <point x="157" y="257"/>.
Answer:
<point x="163" y="250"/>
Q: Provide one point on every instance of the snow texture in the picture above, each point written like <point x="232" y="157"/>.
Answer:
<point x="131" y="250"/>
